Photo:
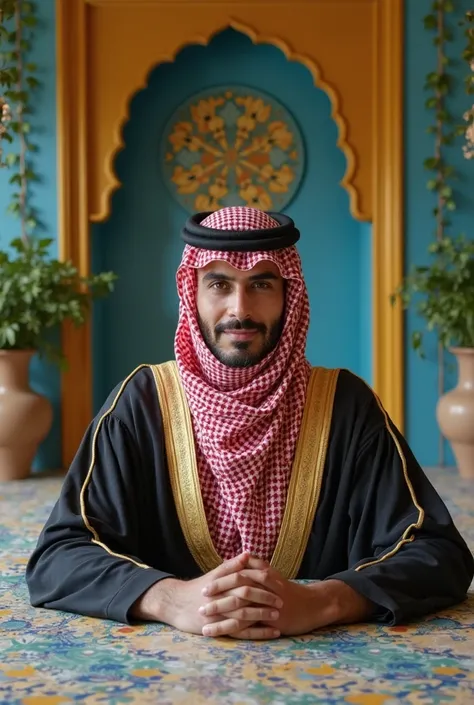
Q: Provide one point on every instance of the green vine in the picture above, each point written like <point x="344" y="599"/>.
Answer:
<point x="444" y="290"/>
<point x="19" y="78"/>
<point x="468" y="56"/>
<point x="439" y="84"/>
<point x="7" y="10"/>
<point x="37" y="293"/>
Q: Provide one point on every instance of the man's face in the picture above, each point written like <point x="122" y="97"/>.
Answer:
<point x="240" y="314"/>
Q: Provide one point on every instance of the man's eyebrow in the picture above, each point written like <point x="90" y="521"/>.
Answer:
<point x="217" y="276"/>
<point x="264" y="275"/>
<point x="221" y="277"/>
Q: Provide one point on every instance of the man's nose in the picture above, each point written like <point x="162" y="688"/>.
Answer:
<point x="239" y="304"/>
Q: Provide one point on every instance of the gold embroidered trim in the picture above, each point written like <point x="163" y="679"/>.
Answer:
<point x="182" y="464"/>
<point x="305" y="482"/>
<point x="95" y="536"/>
<point x="308" y="471"/>
<point x="406" y="538"/>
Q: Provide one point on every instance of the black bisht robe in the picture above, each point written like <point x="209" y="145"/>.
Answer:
<point x="372" y="491"/>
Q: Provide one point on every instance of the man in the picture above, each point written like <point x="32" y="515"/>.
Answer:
<point x="204" y="487"/>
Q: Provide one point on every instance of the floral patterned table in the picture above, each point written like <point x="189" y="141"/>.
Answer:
<point x="49" y="657"/>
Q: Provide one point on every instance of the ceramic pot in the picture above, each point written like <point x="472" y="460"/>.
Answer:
<point x="455" y="413"/>
<point x="25" y="417"/>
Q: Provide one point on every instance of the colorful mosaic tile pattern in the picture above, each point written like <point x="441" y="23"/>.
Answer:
<point x="50" y="658"/>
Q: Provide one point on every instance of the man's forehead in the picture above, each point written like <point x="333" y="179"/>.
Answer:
<point x="226" y="268"/>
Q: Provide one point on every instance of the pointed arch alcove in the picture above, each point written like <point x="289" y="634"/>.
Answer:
<point x="353" y="50"/>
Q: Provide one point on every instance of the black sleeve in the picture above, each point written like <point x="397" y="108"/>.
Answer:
<point x="87" y="559"/>
<point x="405" y="554"/>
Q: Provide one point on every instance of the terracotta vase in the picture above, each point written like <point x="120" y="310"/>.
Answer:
<point x="455" y="413"/>
<point x="25" y="417"/>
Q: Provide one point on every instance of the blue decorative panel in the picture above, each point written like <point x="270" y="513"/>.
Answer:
<point x="232" y="146"/>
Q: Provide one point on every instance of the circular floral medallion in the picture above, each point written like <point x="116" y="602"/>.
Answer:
<point x="232" y="146"/>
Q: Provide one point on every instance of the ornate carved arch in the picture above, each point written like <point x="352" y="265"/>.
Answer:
<point x="106" y="49"/>
<point x="116" y="144"/>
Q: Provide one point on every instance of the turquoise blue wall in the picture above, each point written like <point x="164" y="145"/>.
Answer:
<point x="140" y="241"/>
<point x="421" y="388"/>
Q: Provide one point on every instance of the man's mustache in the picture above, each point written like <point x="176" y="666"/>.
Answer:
<point x="246" y="324"/>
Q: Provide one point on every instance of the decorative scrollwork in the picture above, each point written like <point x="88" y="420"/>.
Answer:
<point x="232" y="146"/>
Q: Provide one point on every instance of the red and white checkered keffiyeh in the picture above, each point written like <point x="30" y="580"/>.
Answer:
<point x="246" y="420"/>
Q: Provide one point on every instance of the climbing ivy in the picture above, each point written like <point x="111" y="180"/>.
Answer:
<point x="37" y="293"/>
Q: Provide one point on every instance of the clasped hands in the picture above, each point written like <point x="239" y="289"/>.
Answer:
<point x="245" y="598"/>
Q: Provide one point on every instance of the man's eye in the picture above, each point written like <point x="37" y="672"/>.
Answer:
<point x="220" y="286"/>
<point x="261" y="285"/>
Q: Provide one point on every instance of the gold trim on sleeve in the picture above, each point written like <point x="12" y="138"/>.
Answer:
<point x="305" y="483"/>
<point x="407" y="537"/>
<point x="95" y="535"/>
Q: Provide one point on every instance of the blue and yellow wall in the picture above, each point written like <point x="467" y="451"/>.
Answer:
<point x="421" y="376"/>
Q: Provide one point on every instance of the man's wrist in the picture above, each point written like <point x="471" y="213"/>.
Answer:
<point x="157" y="603"/>
<point x="339" y="603"/>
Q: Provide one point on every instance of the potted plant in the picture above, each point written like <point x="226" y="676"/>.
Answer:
<point x="443" y="293"/>
<point x="37" y="293"/>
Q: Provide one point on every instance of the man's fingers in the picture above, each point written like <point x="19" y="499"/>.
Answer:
<point x="225" y="604"/>
<point x="231" y="566"/>
<point x="225" y="583"/>
<point x="224" y="628"/>
<point x="257" y="563"/>
<point x="258" y="596"/>
<point x="238" y="629"/>
<point x="262" y="577"/>
<point x="240" y="597"/>
<point x="253" y="614"/>
<point x="244" y="577"/>
<point x="256" y="633"/>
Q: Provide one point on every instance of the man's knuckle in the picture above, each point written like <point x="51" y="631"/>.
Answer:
<point x="241" y="634"/>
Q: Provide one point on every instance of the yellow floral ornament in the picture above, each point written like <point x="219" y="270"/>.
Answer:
<point x="232" y="146"/>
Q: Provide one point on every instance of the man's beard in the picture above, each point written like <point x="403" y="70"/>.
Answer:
<point x="241" y="356"/>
